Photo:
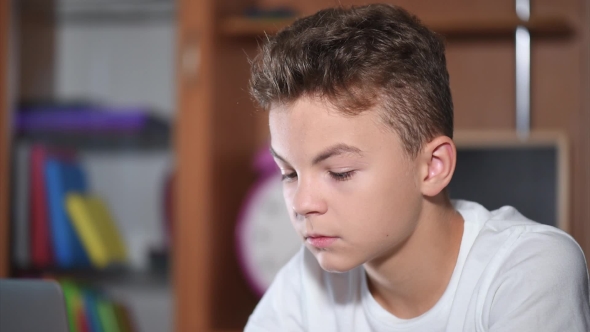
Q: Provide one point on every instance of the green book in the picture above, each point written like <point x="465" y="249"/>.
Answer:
<point x="72" y="298"/>
<point x="108" y="317"/>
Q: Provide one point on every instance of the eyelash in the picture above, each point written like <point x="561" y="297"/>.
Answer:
<point x="344" y="176"/>
<point x="288" y="176"/>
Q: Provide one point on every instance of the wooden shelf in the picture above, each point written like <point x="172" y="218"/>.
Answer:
<point x="115" y="277"/>
<point x="538" y="26"/>
<point x="237" y="26"/>
<point x="545" y="26"/>
<point x="156" y="273"/>
<point x="121" y="142"/>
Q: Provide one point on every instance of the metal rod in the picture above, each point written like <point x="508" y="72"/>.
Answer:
<point x="523" y="71"/>
<point x="523" y="9"/>
<point x="523" y="81"/>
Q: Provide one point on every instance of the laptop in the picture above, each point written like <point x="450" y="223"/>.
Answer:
<point x="32" y="306"/>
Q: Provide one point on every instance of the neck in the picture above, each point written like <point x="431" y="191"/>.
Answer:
<point x="410" y="279"/>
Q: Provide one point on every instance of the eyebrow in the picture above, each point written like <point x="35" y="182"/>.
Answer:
<point x="335" y="150"/>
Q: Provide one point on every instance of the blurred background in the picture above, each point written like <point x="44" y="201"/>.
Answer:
<point x="132" y="160"/>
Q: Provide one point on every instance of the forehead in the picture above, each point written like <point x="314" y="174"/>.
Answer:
<point x="305" y="113"/>
<point x="307" y="116"/>
<point x="310" y="125"/>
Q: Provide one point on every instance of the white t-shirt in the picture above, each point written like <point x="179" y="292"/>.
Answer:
<point x="512" y="275"/>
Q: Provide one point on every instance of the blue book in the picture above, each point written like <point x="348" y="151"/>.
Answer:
<point x="63" y="177"/>
<point x="92" y="310"/>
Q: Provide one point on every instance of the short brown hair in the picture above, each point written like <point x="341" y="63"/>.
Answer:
<point x="357" y="58"/>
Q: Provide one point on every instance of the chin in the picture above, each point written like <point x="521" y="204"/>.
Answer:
<point x="331" y="262"/>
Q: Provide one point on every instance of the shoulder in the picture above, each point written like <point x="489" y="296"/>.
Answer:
<point x="546" y="258"/>
<point x="520" y="244"/>
<point x="525" y="242"/>
<point x="507" y="234"/>
<point x="544" y="252"/>
<point x="542" y="284"/>
<point x="537" y="276"/>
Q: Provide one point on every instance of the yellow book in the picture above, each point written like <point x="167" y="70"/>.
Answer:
<point x="97" y="231"/>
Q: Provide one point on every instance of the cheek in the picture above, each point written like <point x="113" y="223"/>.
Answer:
<point x="288" y="195"/>
<point x="380" y="203"/>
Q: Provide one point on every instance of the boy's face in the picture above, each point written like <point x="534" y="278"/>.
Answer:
<point x="352" y="192"/>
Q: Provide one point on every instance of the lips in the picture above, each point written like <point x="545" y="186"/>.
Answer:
<point x="321" y="241"/>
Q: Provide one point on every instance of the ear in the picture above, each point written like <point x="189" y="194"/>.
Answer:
<point x="438" y="159"/>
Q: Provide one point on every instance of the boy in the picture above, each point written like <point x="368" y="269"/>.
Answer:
<point x="361" y="123"/>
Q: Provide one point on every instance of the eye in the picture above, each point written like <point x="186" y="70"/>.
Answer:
<point x="288" y="176"/>
<point x="341" y="176"/>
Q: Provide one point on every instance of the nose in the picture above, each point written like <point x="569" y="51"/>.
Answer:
<point x="308" y="200"/>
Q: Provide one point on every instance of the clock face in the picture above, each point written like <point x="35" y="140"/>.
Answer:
<point x="266" y="239"/>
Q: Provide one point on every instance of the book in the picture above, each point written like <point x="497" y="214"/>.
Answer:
<point x="94" y="225"/>
<point x="91" y="310"/>
<point x="124" y="319"/>
<point x="21" y="224"/>
<point x="72" y="298"/>
<point x="108" y="316"/>
<point x="81" y="318"/>
<point x="40" y="244"/>
<point x="62" y="177"/>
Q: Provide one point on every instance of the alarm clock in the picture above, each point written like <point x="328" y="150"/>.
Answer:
<point x="265" y="238"/>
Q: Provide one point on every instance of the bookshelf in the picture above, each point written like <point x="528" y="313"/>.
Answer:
<point x="217" y="129"/>
<point x="37" y="53"/>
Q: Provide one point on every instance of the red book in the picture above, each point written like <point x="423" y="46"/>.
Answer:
<point x="81" y="320"/>
<point x="41" y="247"/>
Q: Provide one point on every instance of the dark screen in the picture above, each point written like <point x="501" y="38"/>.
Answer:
<point x="525" y="178"/>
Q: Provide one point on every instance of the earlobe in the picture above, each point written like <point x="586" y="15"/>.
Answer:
<point x="440" y="156"/>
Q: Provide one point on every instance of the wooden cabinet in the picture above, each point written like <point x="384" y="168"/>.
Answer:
<point x="218" y="129"/>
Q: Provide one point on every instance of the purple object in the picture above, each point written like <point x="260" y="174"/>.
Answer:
<point x="91" y="119"/>
<point x="264" y="163"/>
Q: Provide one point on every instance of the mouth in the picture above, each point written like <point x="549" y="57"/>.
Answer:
<point x="320" y="241"/>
